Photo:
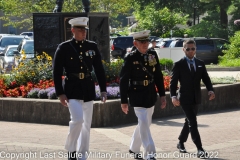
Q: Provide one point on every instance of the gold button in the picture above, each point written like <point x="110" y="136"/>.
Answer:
<point x="81" y="60"/>
<point x="145" y="64"/>
<point x="135" y="88"/>
<point x="80" y="52"/>
<point x="71" y="58"/>
<point x="81" y="67"/>
<point x="146" y="76"/>
<point x="91" y="57"/>
<point x="76" y="41"/>
<point x="137" y="68"/>
<point x="80" y="46"/>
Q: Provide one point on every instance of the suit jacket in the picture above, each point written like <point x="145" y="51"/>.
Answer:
<point x="132" y="71"/>
<point x="78" y="57"/>
<point x="190" y="86"/>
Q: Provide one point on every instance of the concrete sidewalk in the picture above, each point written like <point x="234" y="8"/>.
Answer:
<point x="219" y="131"/>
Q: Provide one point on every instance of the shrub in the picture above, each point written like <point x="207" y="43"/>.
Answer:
<point x="112" y="71"/>
<point x="166" y="64"/>
<point x="231" y="55"/>
<point x="32" y="70"/>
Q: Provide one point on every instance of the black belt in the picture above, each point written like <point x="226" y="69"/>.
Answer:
<point x="144" y="82"/>
<point x="80" y="75"/>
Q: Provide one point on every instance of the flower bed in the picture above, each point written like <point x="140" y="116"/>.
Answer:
<point x="33" y="79"/>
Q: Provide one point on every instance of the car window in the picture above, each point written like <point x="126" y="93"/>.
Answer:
<point x="162" y="43"/>
<point x="205" y="44"/>
<point x="220" y="43"/>
<point x="28" y="48"/>
<point x="167" y="43"/>
<point x="123" y="40"/>
<point x="10" y="51"/>
<point x="172" y="44"/>
<point x="179" y="44"/>
<point x="10" y="41"/>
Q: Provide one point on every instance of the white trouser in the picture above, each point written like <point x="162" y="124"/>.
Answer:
<point x="79" y="126"/>
<point x="142" y="134"/>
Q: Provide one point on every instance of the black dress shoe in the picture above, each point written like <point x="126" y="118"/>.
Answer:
<point x="136" y="155"/>
<point x="202" y="154"/>
<point x="181" y="148"/>
<point x="72" y="155"/>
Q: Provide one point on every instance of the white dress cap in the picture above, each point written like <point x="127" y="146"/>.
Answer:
<point x="79" y="22"/>
<point x="141" y="36"/>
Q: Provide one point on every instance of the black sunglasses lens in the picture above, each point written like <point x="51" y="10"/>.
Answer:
<point x="143" y="42"/>
<point x="188" y="49"/>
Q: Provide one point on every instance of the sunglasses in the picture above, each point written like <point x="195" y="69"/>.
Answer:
<point x="143" y="42"/>
<point x="188" y="49"/>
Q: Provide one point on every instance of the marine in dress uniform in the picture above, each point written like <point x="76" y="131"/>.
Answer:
<point x="139" y="75"/>
<point x="77" y="58"/>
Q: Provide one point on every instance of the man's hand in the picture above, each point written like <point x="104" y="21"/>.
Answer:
<point x="163" y="102"/>
<point x="103" y="96"/>
<point x="63" y="99"/>
<point x="211" y="95"/>
<point x="175" y="101"/>
<point x="124" y="108"/>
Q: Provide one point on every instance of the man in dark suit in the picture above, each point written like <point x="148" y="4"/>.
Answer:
<point x="139" y="75"/>
<point x="77" y="57"/>
<point x="189" y="71"/>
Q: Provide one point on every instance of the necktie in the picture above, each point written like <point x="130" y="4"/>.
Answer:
<point x="192" y="67"/>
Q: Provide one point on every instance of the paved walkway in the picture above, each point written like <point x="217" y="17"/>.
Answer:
<point x="219" y="130"/>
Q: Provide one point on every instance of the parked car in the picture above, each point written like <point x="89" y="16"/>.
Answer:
<point x="165" y="43"/>
<point x="29" y="34"/>
<point x="26" y="46"/>
<point x="6" y="40"/>
<point x="120" y="44"/>
<point x="7" y="58"/>
<point x="208" y="49"/>
<point x="158" y="41"/>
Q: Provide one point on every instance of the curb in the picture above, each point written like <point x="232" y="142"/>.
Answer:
<point x="224" y="69"/>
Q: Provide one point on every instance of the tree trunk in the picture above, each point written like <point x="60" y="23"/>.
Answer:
<point x="223" y="17"/>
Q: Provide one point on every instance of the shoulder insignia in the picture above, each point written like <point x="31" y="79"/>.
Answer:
<point x="65" y="42"/>
<point x="88" y="41"/>
<point x="133" y="52"/>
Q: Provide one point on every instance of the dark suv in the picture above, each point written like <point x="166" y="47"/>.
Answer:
<point x="208" y="49"/>
<point x="120" y="44"/>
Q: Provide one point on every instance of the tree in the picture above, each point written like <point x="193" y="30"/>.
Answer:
<point x="158" y="21"/>
<point x="182" y="6"/>
<point x="18" y="13"/>
<point x="221" y="6"/>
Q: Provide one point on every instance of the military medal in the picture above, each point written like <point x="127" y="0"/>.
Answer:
<point x="152" y="60"/>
